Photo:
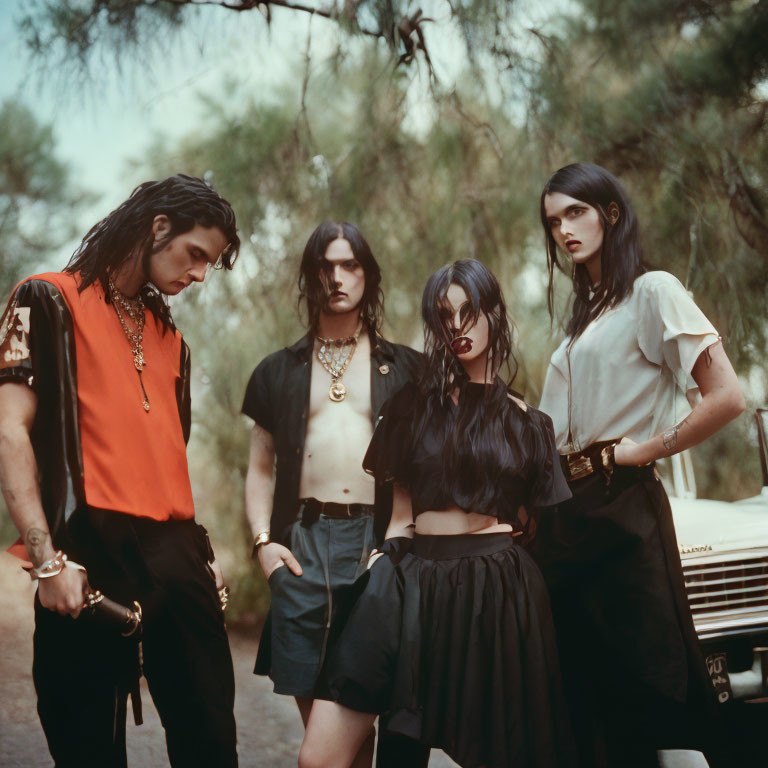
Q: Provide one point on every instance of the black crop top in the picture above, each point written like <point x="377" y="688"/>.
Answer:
<point x="528" y="474"/>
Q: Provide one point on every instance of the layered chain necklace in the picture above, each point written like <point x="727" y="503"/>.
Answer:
<point x="335" y="355"/>
<point x="133" y="308"/>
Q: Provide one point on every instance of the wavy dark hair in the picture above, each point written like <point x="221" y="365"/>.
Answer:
<point x="313" y="287"/>
<point x="621" y="259"/>
<point x="127" y="232"/>
<point x="477" y="447"/>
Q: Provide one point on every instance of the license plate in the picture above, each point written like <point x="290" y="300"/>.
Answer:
<point x="717" y="666"/>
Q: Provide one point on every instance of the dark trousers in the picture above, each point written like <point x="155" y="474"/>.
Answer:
<point x="82" y="670"/>
<point x="633" y="673"/>
<point x="397" y="751"/>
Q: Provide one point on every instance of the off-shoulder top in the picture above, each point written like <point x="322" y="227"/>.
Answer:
<point x="526" y="472"/>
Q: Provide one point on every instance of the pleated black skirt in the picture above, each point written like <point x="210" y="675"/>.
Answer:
<point x="454" y="643"/>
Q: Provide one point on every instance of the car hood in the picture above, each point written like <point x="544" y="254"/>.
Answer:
<point x="705" y="525"/>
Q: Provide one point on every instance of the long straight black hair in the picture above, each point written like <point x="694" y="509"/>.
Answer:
<point x="127" y="232"/>
<point x="621" y="259"/>
<point x="313" y="286"/>
<point x="476" y="448"/>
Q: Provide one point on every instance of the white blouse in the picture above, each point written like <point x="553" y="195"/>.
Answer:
<point x="630" y="370"/>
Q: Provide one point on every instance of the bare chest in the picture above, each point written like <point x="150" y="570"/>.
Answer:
<point x="338" y="433"/>
<point x="349" y="396"/>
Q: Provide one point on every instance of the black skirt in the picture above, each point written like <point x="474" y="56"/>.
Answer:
<point x="454" y="643"/>
<point x="633" y="671"/>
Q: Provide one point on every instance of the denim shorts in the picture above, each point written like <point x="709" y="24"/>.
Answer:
<point x="332" y="554"/>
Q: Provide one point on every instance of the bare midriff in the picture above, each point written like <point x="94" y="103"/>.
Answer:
<point x="455" y="521"/>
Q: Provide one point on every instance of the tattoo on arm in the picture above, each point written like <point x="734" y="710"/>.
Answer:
<point x="36" y="539"/>
<point x="670" y="437"/>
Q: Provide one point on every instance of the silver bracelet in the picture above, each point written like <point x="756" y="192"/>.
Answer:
<point x="53" y="567"/>
<point x="50" y="568"/>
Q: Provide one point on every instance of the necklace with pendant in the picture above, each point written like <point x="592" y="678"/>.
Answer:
<point x="335" y="355"/>
<point x="134" y="308"/>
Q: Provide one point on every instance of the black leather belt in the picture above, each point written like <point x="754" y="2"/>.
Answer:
<point x="311" y="509"/>
<point x="597" y="457"/>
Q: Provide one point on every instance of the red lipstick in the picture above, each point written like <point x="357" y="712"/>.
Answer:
<point x="461" y="345"/>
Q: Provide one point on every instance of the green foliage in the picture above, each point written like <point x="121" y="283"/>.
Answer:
<point x="679" y="118"/>
<point x="37" y="204"/>
<point x="668" y="95"/>
<point x="422" y="198"/>
<point x="688" y="146"/>
<point x="68" y="29"/>
<point x="35" y="197"/>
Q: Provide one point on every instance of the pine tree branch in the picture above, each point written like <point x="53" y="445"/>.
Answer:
<point x="249" y="5"/>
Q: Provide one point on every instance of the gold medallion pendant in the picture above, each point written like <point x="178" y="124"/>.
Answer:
<point x="337" y="392"/>
<point x="335" y="355"/>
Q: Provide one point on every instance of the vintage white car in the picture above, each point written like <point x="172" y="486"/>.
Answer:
<point x="724" y="552"/>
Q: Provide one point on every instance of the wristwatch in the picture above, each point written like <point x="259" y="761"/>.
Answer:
<point x="261" y="538"/>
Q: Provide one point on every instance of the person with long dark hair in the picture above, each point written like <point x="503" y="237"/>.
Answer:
<point x="94" y="419"/>
<point x="451" y="637"/>
<point x="641" y="375"/>
<point x="313" y="405"/>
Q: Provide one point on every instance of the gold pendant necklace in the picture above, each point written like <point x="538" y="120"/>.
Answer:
<point x="134" y="308"/>
<point x="337" y="391"/>
<point x="335" y="355"/>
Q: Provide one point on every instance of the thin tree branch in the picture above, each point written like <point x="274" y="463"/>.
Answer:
<point x="304" y="87"/>
<point x="479" y="125"/>
<point x="249" y="5"/>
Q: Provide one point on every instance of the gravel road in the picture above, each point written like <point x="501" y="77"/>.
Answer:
<point x="269" y="728"/>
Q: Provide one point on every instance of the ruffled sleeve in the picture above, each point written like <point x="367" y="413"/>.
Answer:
<point x="547" y="485"/>
<point x="388" y="457"/>
<point x="671" y="330"/>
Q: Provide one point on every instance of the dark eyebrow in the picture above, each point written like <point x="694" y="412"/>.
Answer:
<point x="568" y="209"/>
<point x="199" y="252"/>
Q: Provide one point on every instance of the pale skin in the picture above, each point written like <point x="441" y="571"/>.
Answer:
<point x="334" y="732"/>
<point x="337" y="436"/>
<point x="578" y="231"/>
<point x="172" y="268"/>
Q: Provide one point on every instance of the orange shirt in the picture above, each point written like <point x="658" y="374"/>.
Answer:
<point x="134" y="461"/>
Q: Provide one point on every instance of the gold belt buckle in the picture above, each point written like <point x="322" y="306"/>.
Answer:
<point x="579" y="466"/>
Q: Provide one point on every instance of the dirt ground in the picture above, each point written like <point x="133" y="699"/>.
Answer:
<point x="269" y="728"/>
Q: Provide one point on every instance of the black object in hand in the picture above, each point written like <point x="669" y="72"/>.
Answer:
<point x="106" y="611"/>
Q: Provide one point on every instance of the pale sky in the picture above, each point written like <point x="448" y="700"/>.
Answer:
<point x="106" y="123"/>
<point x="102" y="125"/>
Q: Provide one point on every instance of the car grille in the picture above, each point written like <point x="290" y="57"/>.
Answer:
<point x="728" y="594"/>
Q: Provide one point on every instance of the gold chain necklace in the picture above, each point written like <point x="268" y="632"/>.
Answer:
<point x="134" y="308"/>
<point x="335" y="355"/>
